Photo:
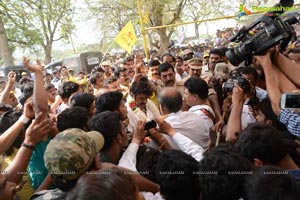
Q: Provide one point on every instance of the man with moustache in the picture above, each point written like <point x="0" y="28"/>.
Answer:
<point x="123" y="78"/>
<point x="153" y="76"/>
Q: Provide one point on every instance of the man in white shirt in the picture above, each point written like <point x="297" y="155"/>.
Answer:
<point x="187" y="123"/>
<point x="196" y="96"/>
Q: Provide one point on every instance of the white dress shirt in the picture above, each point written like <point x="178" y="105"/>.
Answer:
<point x="208" y="122"/>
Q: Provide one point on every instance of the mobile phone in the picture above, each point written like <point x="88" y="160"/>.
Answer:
<point x="290" y="101"/>
<point x="150" y="124"/>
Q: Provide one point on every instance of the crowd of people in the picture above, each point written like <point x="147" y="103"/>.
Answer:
<point x="182" y="125"/>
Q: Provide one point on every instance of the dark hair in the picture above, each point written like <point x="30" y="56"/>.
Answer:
<point x="152" y="63"/>
<point x="111" y="184"/>
<point x="49" y="86"/>
<point x="140" y="87"/>
<point x="248" y="71"/>
<point x="75" y="117"/>
<point x="175" y="174"/>
<point x="167" y="54"/>
<point x="7" y="119"/>
<point x="67" y="89"/>
<point x="266" y="108"/>
<point x="147" y="158"/>
<point x="27" y="90"/>
<point x="82" y="99"/>
<point x="118" y="70"/>
<point x="197" y="86"/>
<point x="62" y="67"/>
<point x="25" y="80"/>
<point x="109" y="124"/>
<point x="263" y="142"/>
<point x="223" y="51"/>
<point x="172" y="102"/>
<point x="222" y="173"/>
<point x="165" y="67"/>
<point x="215" y="51"/>
<point x="108" y="81"/>
<point x="109" y="101"/>
<point x="270" y="182"/>
<point x="179" y="57"/>
<point x="95" y="76"/>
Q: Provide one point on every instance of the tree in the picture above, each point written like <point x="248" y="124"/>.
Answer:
<point x="5" y="51"/>
<point x="112" y="15"/>
<point x="37" y="23"/>
<point x="205" y="9"/>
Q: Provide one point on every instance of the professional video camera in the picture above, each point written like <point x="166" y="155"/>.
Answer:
<point x="264" y="33"/>
<point x="236" y="79"/>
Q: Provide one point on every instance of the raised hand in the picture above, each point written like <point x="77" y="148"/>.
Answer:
<point x="34" y="68"/>
<point x="37" y="130"/>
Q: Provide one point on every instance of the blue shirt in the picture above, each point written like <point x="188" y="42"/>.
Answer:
<point x="291" y="120"/>
<point x="37" y="169"/>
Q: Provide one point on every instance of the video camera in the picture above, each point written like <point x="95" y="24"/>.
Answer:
<point x="262" y="34"/>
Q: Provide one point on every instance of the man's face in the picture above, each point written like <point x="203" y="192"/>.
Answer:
<point x="213" y="58"/>
<point x="47" y="79"/>
<point x="99" y="82"/>
<point x="205" y="60"/>
<point x="188" y="97"/>
<point x="168" y="59"/>
<point x="168" y="78"/>
<point x="64" y="72"/>
<point x="106" y="68"/>
<point x="114" y="86"/>
<point x="141" y="100"/>
<point x="13" y="101"/>
<point x="260" y="117"/>
<point x="153" y="73"/>
<point x="57" y="75"/>
<point x="124" y="78"/>
<point x="51" y="93"/>
<point x="124" y="135"/>
<point x="194" y="72"/>
<point x="179" y="66"/>
<point x="122" y="110"/>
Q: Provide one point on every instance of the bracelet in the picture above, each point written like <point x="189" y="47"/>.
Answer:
<point x="24" y="119"/>
<point x="28" y="146"/>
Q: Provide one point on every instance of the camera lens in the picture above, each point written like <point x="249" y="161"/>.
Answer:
<point x="233" y="56"/>
<point x="228" y="86"/>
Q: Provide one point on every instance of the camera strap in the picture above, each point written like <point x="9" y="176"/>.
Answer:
<point x="208" y="114"/>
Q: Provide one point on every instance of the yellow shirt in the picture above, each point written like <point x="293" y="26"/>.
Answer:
<point x="27" y="190"/>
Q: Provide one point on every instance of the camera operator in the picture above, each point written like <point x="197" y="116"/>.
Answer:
<point x="275" y="85"/>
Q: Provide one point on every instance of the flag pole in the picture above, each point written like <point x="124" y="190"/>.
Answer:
<point x="108" y="48"/>
<point x="143" y="30"/>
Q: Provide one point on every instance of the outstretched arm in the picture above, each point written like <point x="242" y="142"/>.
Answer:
<point x="34" y="133"/>
<point x="272" y="85"/>
<point x="39" y="93"/>
<point x="11" y="78"/>
<point x="234" y="122"/>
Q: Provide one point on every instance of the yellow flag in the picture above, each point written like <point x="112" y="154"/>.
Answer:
<point x="126" y="37"/>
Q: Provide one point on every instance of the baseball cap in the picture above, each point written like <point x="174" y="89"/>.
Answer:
<point x="23" y="73"/>
<point x="205" y="55"/>
<point x="187" y="51"/>
<point x="195" y="63"/>
<point x="221" y="71"/>
<point x="71" y="152"/>
<point x="105" y="63"/>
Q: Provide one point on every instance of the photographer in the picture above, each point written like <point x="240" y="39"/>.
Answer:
<point x="275" y="85"/>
